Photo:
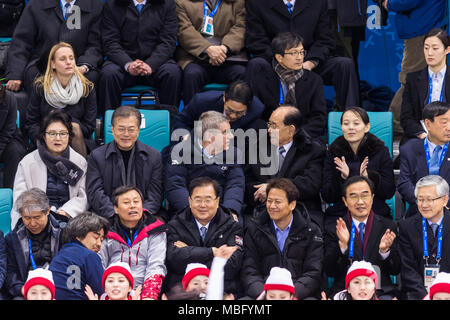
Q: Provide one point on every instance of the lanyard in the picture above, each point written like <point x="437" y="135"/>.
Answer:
<point x="281" y="93"/>
<point x="427" y="153"/>
<point x="352" y="241"/>
<point x="425" y="241"/>
<point x="128" y="239"/>
<point x="212" y="12"/>
<point x="33" y="263"/>
<point x="430" y="88"/>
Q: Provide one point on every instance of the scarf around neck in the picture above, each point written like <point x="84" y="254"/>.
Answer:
<point x="289" y="77"/>
<point x="59" y="97"/>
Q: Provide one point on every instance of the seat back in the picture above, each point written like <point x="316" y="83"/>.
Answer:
<point x="155" y="128"/>
<point x="6" y="202"/>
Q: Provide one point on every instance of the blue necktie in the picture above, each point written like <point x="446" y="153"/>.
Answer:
<point x="434" y="161"/>
<point x="139" y="7"/>
<point x="362" y="225"/>
<point x="434" y="227"/>
<point x="203" y="231"/>
<point x="281" y="150"/>
<point x="66" y="10"/>
<point x="289" y="6"/>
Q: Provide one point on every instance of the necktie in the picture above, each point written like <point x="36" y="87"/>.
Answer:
<point x="361" y="227"/>
<point x="203" y="231"/>
<point x="66" y="9"/>
<point x="281" y="151"/>
<point x="434" y="161"/>
<point x="434" y="227"/>
<point x="289" y="6"/>
<point x="139" y="7"/>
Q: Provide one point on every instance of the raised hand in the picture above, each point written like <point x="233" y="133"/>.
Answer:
<point x="342" y="166"/>
<point x="342" y="233"/>
<point x="363" y="168"/>
<point x="386" y="241"/>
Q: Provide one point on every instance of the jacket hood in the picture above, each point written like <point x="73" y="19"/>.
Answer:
<point x="370" y="145"/>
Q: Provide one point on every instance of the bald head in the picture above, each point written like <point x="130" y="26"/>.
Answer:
<point x="287" y="120"/>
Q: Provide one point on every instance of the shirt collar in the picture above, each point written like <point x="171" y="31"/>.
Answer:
<point x="199" y="225"/>
<point x="438" y="223"/>
<point x="136" y="3"/>
<point x="292" y="2"/>
<point x="285" y="229"/>
<point x="209" y="156"/>
<point x="440" y="74"/>
<point x="356" y="222"/>
<point x="287" y="146"/>
<point x="63" y="2"/>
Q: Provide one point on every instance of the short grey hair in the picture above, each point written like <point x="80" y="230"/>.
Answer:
<point x="82" y="224"/>
<point x="126" y="112"/>
<point x="442" y="187"/>
<point x="32" y="200"/>
<point x="210" y="120"/>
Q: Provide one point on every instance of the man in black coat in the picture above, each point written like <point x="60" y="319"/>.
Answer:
<point x="377" y="245"/>
<point x="43" y="24"/>
<point x="431" y="224"/>
<point x="195" y="234"/>
<point x="413" y="154"/>
<point x="302" y="164"/>
<point x="124" y="161"/>
<point x="282" y="236"/>
<point x="267" y="18"/>
<point x="138" y="44"/>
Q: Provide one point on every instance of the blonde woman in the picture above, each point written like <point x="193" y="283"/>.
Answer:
<point x="64" y="87"/>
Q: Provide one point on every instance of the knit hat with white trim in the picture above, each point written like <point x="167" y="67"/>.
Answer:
<point x="440" y="284"/>
<point x="120" y="267"/>
<point x="42" y="277"/>
<point x="360" y="268"/>
<point x="193" y="270"/>
<point x="279" y="279"/>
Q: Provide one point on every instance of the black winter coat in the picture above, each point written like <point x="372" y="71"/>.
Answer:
<point x="380" y="170"/>
<point x="302" y="254"/>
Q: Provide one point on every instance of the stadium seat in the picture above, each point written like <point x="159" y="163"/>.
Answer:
<point x="380" y="125"/>
<point x="155" y="128"/>
<point x="130" y="95"/>
<point x="215" y="86"/>
<point x="6" y="202"/>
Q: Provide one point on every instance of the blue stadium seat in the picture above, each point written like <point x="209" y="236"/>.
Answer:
<point x="215" y="86"/>
<point x="380" y="125"/>
<point x="155" y="128"/>
<point x="6" y="202"/>
<point x="130" y="95"/>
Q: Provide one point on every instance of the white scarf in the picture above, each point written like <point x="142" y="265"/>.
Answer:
<point x="59" y="97"/>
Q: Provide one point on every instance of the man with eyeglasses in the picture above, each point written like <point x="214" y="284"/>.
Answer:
<point x="360" y="234"/>
<point x="237" y="103"/>
<point x="422" y="157"/>
<point x="124" y="161"/>
<point x="287" y="82"/>
<point x="195" y="234"/>
<point x="424" y="238"/>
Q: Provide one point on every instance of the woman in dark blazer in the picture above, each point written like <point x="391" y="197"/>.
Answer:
<point x="357" y="152"/>
<point x="417" y="88"/>
<point x="64" y="87"/>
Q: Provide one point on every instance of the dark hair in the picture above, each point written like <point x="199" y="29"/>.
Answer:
<point x="440" y="34"/>
<point x="178" y="293"/>
<point x="122" y="190"/>
<point x="202" y="182"/>
<point x="359" y="112"/>
<point x="82" y="224"/>
<point x="292" y="117"/>
<point x="56" y="115"/>
<point x="435" y="109"/>
<point x="285" y="41"/>
<point x="126" y="112"/>
<point x="286" y="185"/>
<point x="356" y="179"/>
<point x="239" y="91"/>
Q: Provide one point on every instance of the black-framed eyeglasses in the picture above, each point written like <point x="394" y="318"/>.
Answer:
<point x="428" y="201"/>
<point x="296" y="53"/>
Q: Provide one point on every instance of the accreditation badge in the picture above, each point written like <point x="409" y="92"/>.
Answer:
<point x="429" y="275"/>
<point x="207" y="26"/>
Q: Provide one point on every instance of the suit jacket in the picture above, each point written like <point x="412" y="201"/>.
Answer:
<point x="415" y="97"/>
<point x="42" y="25"/>
<point x="229" y="26"/>
<point x="149" y="36"/>
<point x="413" y="166"/>
<point x="309" y="97"/>
<point x="266" y="18"/>
<point x="411" y="254"/>
<point x="337" y="263"/>
<point x="8" y="117"/>
<point x="213" y="101"/>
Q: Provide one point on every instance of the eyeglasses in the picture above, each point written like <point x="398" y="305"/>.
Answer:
<point x="54" y="134"/>
<point x="363" y="197"/>
<point x="228" y="110"/>
<point x="272" y="125"/>
<point x="427" y="201"/>
<point x="207" y="201"/>
<point x="296" y="53"/>
<point x="130" y="130"/>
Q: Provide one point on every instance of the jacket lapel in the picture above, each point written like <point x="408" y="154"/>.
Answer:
<point x="281" y="8"/>
<point x="423" y="86"/>
<point x="287" y="161"/>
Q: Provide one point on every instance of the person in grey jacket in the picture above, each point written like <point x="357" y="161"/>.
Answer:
<point x="137" y="238"/>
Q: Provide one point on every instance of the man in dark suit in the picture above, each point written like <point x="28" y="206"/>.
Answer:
<point x="124" y="161"/>
<point x="139" y="41"/>
<point x="421" y="157"/>
<point x="302" y="162"/>
<point x="43" y="24"/>
<point x="309" y="18"/>
<point x="373" y="240"/>
<point x="238" y="104"/>
<point x="431" y="227"/>
<point x="288" y="82"/>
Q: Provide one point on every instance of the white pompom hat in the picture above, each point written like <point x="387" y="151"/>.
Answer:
<point x="193" y="270"/>
<point x="42" y="277"/>
<point x="440" y="284"/>
<point x="360" y="268"/>
<point x="279" y="279"/>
